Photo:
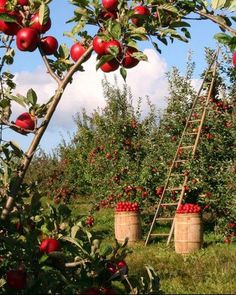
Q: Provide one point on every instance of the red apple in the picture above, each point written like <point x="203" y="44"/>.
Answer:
<point x="49" y="245"/>
<point x="99" y="45"/>
<point x="27" y="39"/>
<point x="110" y="66"/>
<point x="112" y="43"/>
<point x="110" y="5"/>
<point x="41" y="28"/>
<point x="49" y="45"/>
<point x="16" y="279"/>
<point x="140" y="13"/>
<point x="10" y="28"/>
<point x="108" y="14"/>
<point x="23" y="2"/>
<point x="129" y="61"/>
<point x="234" y="59"/>
<point x="26" y="121"/>
<point x="159" y="190"/>
<point x="77" y="50"/>
<point x="3" y="3"/>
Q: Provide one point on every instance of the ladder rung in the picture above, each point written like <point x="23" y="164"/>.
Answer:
<point x="174" y="189"/>
<point x="196" y="120"/>
<point x="156" y="235"/>
<point x="191" y="133"/>
<point x="169" y="204"/>
<point x="164" y="218"/>
<point x="177" y="174"/>
<point x="187" y="147"/>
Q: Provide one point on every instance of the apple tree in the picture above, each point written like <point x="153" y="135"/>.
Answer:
<point x="120" y="26"/>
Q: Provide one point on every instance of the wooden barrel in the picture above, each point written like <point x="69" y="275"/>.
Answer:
<point x="127" y="225"/>
<point x="188" y="232"/>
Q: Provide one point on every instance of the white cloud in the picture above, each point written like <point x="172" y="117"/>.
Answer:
<point x="85" y="91"/>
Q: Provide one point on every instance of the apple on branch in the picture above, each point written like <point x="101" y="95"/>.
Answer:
<point x="27" y="39"/>
<point x="77" y="50"/>
<point x="49" y="45"/>
<point x="41" y="28"/>
<point x="140" y="13"/>
<point x="26" y="121"/>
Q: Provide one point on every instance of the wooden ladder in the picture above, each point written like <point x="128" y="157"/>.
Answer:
<point x="187" y="145"/>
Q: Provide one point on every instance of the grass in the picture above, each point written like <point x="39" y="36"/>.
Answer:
<point x="211" y="270"/>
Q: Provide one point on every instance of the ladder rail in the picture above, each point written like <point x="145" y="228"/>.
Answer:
<point x="213" y="65"/>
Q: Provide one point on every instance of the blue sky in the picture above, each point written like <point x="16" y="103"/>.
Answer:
<point x="172" y="55"/>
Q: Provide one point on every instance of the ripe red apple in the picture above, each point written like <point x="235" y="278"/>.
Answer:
<point x="129" y="61"/>
<point x="110" y="66"/>
<point x="10" y="28"/>
<point x="159" y="190"/>
<point x="35" y="24"/>
<point x="140" y="13"/>
<point x="77" y="50"/>
<point x="234" y="59"/>
<point x="23" y="2"/>
<point x="26" y="121"/>
<point x="49" y="45"/>
<point x="110" y="5"/>
<point x="112" y="43"/>
<point x="108" y="14"/>
<point x="3" y="3"/>
<point x="99" y="45"/>
<point x="27" y="39"/>
<point x="16" y="279"/>
<point x="49" y="245"/>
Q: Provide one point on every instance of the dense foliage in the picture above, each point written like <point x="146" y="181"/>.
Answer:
<point x="115" y="154"/>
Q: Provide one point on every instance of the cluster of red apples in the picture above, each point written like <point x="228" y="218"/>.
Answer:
<point x="89" y="221"/>
<point x="27" y="28"/>
<point x="124" y="56"/>
<point x="17" y="278"/>
<point x="127" y="206"/>
<point x="188" y="208"/>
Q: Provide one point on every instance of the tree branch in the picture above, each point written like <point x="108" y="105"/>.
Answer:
<point x="39" y="133"/>
<point x="50" y="71"/>
<point x="216" y="20"/>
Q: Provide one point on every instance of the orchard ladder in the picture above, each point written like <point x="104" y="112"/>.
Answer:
<point x="187" y="145"/>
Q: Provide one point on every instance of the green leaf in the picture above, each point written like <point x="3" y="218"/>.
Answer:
<point x="31" y="96"/>
<point x="43" y="13"/>
<point x="180" y="24"/>
<point x="169" y="7"/>
<point x="103" y="60"/>
<point x="216" y="4"/>
<point x="7" y="18"/>
<point x="140" y="56"/>
<point x="116" y="30"/>
<point x="106" y="251"/>
<point x="74" y="231"/>
<point x="20" y="99"/>
<point x="123" y="73"/>
<point x="17" y="150"/>
<point x="156" y="47"/>
<point x="43" y="259"/>
<point x="222" y="38"/>
<point x="75" y="242"/>
<point x="63" y="51"/>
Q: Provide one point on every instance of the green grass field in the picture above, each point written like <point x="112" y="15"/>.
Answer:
<point x="211" y="270"/>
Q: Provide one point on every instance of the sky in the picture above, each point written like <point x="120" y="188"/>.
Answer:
<point x="146" y="79"/>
